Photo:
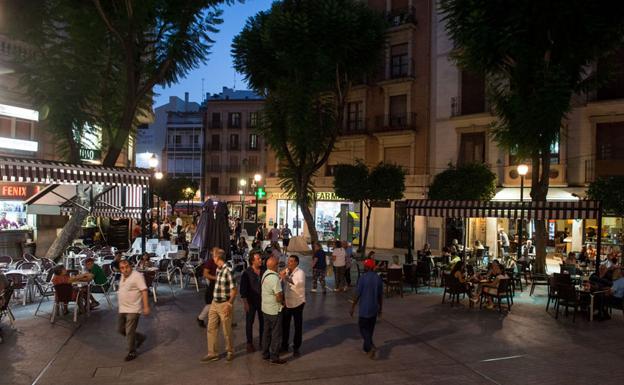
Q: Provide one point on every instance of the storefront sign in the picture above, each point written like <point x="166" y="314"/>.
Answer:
<point x="13" y="191"/>
<point x="320" y="196"/>
<point x="90" y="154"/>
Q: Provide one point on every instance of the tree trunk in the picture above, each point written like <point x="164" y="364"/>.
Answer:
<point x="67" y="235"/>
<point x="369" y="209"/>
<point x="539" y="191"/>
<point x="309" y="220"/>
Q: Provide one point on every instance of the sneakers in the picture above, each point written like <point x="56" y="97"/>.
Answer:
<point x="201" y="323"/>
<point x="208" y="358"/>
<point x="131" y="356"/>
<point x="250" y="348"/>
<point x="278" y="361"/>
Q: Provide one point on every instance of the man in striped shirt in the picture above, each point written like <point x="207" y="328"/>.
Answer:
<point x="221" y="310"/>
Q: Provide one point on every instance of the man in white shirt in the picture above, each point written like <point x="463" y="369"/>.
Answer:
<point x="339" y="258"/>
<point x="294" y="295"/>
<point x="132" y="294"/>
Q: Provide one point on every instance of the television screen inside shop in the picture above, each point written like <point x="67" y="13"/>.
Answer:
<point x="13" y="215"/>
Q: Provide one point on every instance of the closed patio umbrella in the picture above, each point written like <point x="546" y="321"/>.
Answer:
<point x="206" y="225"/>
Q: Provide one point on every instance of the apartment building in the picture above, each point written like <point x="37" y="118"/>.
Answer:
<point x="591" y="144"/>
<point x="233" y="150"/>
<point x="388" y="119"/>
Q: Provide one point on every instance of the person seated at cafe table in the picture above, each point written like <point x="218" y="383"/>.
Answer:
<point x="396" y="264"/>
<point x="96" y="274"/>
<point x="583" y="256"/>
<point x="145" y="262"/>
<point x="459" y="277"/>
<point x="491" y="287"/>
<point x="61" y="279"/>
<point x="602" y="280"/>
<point x="616" y="292"/>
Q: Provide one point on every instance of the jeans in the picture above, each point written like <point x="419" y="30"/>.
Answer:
<point x="126" y="326"/>
<point x="297" y="314"/>
<point x="272" y="336"/>
<point x="217" y="315"/>
<point x="367" y="327"/>
<point x="249" y="321"/>
<point x="348" y="275"/>
<point x="318" y="275"/>
<point x="339" y="272"/>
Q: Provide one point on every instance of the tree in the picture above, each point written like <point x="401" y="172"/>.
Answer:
<point x="174" y="190"/>
<point x="354" y="182"/>
<point x="535" y="56"/>
<point x="94" y="66"/>
<point x="474" y="181"/>
<point x="609" y="190"/>
<point x="303" y="56"/>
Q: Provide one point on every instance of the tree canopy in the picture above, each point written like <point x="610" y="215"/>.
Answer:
<point x="609" y="190"/>
<point x="174" y="190"/>
<point x="474" y="181"/>
<point x="355" y="182"/>
<point x="303" y="56"/>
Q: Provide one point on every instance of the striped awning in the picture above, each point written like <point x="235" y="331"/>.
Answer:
<point x="503" y="209"/>
<point x="117" y="202"/>
<point x="25" y="170"/>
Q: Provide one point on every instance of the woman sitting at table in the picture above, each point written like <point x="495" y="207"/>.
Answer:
<point x="425" y="252"/>
<point x="492" y="286"/>
<point x="145" y="262"/>
<point x="395" y="263"/>
<point x="63" y="289"/>
<point x="459" y="277"/>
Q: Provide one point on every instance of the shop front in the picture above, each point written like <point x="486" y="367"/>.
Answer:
<point x="17" y="227"/>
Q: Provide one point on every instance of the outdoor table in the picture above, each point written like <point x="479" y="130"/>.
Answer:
<point x="30" y="283"/>
<point x="582" y="290"/>
<point x="84" y="288"/>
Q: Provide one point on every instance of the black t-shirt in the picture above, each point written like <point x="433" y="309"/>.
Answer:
<point x="321" y="263"/>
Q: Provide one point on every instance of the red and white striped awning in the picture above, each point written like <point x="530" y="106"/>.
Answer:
<point x="25" y="170"/>
<point x="581" y="209"/>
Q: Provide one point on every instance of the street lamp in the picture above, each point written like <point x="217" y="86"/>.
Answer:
<point x="257" y="179"/>
<point x="243" y="183"/>
<point x="153" y="161"/>
<point x="147" y="201"/>
<point x="522" y="169"/>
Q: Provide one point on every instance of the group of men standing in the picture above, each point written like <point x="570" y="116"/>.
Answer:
<point x="274" y="298"/>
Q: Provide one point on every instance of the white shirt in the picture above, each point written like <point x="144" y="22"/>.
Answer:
<point x="294" y="292"/>
<point x="504" y="239"/>
<point x="341" y="257"/>
<point x="179" y="222"/>
<point x="129" y="293"/>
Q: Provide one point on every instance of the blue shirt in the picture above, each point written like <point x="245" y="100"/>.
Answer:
<point x="618" y="288"/>
<point x="369" y="289"/>
<point x="321" y="262"/>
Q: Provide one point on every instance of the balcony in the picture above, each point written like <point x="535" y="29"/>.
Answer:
<point x="215" y="125"/>
<point x="355" y="127"/>
<point x="249" y="148"/>
<point x="473" y="107"/>
<point x="401" y="70"/>
<point x="395" y="122"/>
<point x="232" y="168"/>
<point x="401" y="16"/>
<point x="219" y="190"/>
<point x="234" y="146"/>
<point x="183" y="148"/>
<point x="214" y="147"/>
<point x="234" y="124"/>
<point x="213" y="168"/>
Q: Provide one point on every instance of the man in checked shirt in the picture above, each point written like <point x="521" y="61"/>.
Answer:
<point x="221" y="310"/>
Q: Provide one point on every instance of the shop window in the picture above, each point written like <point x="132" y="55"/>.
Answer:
<point x="399" y="64"/>
<point x="22" y="129"/>
<point x="401" y="225"/>
<point x="472" y="148"/>
<point x="610" y="141"/>
<point x="5" y="127"/>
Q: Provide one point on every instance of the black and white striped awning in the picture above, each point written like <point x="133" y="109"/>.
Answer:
<point x="25" y="170"/>
<point x="503" y="209"/>
<point x="117" y="202"/>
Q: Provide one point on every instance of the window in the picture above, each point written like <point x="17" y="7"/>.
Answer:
<point x="472" y="93"/>
<point x="216" y="142"/>
<point x="398" y="111"/>
<point x="253" y="141"/>
<point x="253" y="120"/>
<point x="195" y="139"/>
<point x="399" y="61"/>
<point x="22" y="129"/>
<point x="214" y="185"/>
<point x="177" y="139"/>
<point x="610" y="141"/>
<point x="234" y="120"/>
<point x="472" y="148"/>
<point x="216" y="119"/>
<point x="554" y="153"/>
<point x="355" y="113"/>
<point x="233" y="186"/>
<point x="5" y="128"/>
<point x="612" y="67"/>
<point x="399" y="156"/>
<point x="234" y="142"/>
<point x="252" y="163"/>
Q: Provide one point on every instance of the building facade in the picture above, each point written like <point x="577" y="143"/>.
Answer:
<point x="387" y="119"/>
<point x="233" y="150"/>
<point x="591" y="144"/>
<point x="183" y="152"/>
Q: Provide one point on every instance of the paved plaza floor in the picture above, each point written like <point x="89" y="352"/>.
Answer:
<point x="420" y="341"/>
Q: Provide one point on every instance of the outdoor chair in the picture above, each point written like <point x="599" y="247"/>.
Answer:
<point x="6" y="261"/>
<point x="165" y="270"/>
<point x="452" y="288"/>
<point x="63" y="293"/>
<point x="394" y="281"/>
<point x="20" y="282"/>
<point x="617" y="303"/>
<point x="568" y="297"/>
<point x="29" y="266"/>
<point x="503" y="291"/>
<point x="5" y="309"/>
<point x="47" y="264"/>
<point x="188" y="272"/>
<point x="538" y="280"/>
<point x="425" y="272"/>
<point x="108" y="271"/>
<point x="409" y="276"/>
<point x="105" y="288"/>
<point x="45" y="290"/>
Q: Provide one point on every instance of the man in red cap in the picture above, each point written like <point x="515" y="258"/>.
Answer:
<point x="370" y="296"/>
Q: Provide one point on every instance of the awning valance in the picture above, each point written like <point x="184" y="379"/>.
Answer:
<point x="25" y="170"/>
<point x="503" y="209"/>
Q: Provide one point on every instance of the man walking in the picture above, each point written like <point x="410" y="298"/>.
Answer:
<point x="369" y="296"/>
<point x="209" y="272"/>
<point x="319" y="266"/>
<point x="221" y="310"/>
<point x="250" y="293"/>
<point x="294" y="296"/>
<point x="272" y="298"/>
<point x="132" y="292"/>
<point x="286" y="234"/>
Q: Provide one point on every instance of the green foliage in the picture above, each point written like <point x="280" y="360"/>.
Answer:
<point x="351" y="181"/>
<point x="303" y="56"/>
<point x="95" y="63"/>
<point x="174" y="190"/>
<point x="384" y="182"/>
<point x="473" y="181"/>
<point x="610" y="191"/>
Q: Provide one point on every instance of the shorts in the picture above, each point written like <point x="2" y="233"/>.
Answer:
<point x="285" y="242"/>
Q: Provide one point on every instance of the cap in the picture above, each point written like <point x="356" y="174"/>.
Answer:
<point x="369" y="263"/>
